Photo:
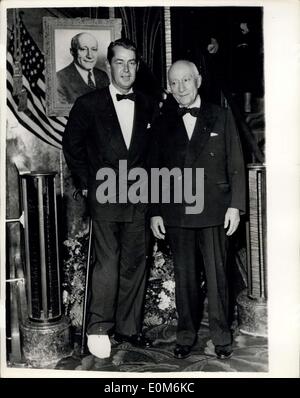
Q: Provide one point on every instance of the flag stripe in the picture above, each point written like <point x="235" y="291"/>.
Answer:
<point x="58" y="128"/>
<point x="39" y="109"/>
<point x="12" y="106"/>
<point x="34" y="118"/>
<point x="34" y="108"/>
<point x="59" y="119"/>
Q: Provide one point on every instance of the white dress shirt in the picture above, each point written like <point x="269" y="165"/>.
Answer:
<point x="125" y="113"/>
<point x="189" y="120"/>
<point x="84" y="74"/>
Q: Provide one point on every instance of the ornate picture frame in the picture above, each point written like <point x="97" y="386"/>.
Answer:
<point x="58" y="33"/>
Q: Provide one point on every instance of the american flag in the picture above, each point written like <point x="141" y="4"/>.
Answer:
<point x="34" y="119"/>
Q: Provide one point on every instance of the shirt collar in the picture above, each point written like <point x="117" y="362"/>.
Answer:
<point x="114" y="91"/>
<point x="82" y="71"/>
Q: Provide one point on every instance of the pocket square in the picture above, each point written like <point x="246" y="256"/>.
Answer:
<point x="214" y="134"/>
<point x="148" y="126"/>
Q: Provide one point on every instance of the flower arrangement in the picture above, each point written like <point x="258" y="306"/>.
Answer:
<point x="74" y="273"/>
<point x="160" y="295"/>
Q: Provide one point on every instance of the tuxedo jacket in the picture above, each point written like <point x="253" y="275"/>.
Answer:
<point x="70" y="84"/>
<point x="93" y="139"/>
<point x="215" y="147"/>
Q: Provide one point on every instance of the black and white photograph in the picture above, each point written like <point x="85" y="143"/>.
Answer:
<point x="141" y="227"/>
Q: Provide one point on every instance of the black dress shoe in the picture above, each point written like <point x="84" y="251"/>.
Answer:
<point x="182" y="351"/>
<point x="138" y="340"/>
<point x="223" y="351"/>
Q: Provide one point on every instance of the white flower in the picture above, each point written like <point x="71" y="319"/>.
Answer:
<point x="159" y="261"/>
<point x="65" y="296"/>
<point x="67" y="243"/>
<point x="164" y="301"/>
<point x="169" y="285"/>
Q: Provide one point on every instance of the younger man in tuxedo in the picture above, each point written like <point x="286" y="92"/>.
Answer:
<point x="104" y="127"/>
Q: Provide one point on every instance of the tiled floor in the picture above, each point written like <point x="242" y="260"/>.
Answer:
<point x="250" y="355"/>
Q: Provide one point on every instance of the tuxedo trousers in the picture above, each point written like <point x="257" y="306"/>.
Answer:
<point x="213" y="245"/>
<point x="118" y="279"/>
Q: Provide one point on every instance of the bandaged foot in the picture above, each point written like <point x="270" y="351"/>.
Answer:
<point x="99" y="345"/>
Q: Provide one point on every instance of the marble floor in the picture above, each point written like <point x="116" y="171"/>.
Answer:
<point x="250" y="355"/>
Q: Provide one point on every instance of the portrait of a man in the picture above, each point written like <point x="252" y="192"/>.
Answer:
<point x="81" y="75"/>
<point x="75" y="59"/>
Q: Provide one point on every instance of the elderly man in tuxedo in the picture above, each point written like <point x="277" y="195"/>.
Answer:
<point x="81" y="76"/>
<point x="105" y="127"/>
<point x="199" y="135"/>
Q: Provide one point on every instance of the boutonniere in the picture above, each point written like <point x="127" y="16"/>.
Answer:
<point x="148" y="126"/>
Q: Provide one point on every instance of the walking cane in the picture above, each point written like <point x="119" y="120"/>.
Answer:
<point x="77" y="193"/>
<point x="87" y="273"/>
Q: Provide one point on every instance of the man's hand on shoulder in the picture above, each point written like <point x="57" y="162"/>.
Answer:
<point x="232" y="220"/>
<point x="157" y="226"/>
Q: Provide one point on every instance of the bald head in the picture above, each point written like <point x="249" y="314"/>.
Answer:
<point x="183" y="64"/>
<point x="84" y="49"/>
<point x="184" y="80"/>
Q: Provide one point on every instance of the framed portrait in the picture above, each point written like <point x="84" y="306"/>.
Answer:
<point x="72" y="48"/>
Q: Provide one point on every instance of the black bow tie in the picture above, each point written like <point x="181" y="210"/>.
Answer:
<point x="130" y="96"/>
<point x="193" y="111"/>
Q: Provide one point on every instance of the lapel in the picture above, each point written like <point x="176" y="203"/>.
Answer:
<point x="139" y="125"/>
<point x="204" y="124"/>
<point x="181" y="137"/>
<point x="76" y="78"/>
<point x="177" y="133"/>
<point x="111" y="125"/>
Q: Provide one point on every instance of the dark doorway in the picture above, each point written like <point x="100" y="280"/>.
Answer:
<point x="194" y="27"/>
